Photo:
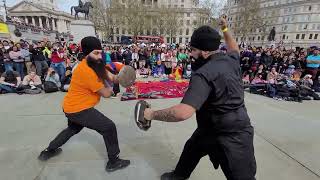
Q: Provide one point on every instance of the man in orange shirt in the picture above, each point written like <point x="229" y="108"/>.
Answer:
<point x="89" y="82"/>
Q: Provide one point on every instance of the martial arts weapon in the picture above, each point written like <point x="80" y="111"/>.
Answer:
<point x="141" y="122"/>
<point x="127" y="76"/>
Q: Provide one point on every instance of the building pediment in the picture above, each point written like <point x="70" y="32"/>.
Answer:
<point x="25" y="7"/>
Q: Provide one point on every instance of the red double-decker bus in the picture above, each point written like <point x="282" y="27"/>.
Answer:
<point x="149" y="39"/>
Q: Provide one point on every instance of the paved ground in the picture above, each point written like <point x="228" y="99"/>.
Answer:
<point x="287" y="141"/>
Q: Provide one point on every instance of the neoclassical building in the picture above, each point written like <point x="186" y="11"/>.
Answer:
<point x="191" y="15"/>
<point x="42" y="13"/>
<point x="297" y="22"/>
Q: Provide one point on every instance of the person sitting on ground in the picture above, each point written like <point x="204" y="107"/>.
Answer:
<point x="9" y="82"/>
<point x="52" y="82"/>
<point x="258" y="80"/>
<point x="272" y="76"/>
<point x="158" y="71"/>
<point x="306" y="88"/>
<point x="65" y="84"/>
<point x="32" y="80"/>
<point x="289" y="72"/>
<point x="188" y="72"/>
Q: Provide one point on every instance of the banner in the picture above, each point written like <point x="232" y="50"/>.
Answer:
<point x="4" y="29"/>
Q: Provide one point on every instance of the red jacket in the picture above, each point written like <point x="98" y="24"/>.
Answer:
<point x="55" y="57"/>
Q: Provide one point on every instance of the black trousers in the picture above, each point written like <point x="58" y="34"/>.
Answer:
<point x="234" y="152"/>
<point x="92" y="119"/>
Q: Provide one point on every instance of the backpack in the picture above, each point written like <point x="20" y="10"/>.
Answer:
<point x="50" y="87"/>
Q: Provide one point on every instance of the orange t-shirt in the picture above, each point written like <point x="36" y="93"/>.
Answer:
<point x="82" y="93"/>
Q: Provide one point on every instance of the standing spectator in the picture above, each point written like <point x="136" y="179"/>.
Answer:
<point x="313" y="63"/>
<point x="57" y="61"/>
<point x="26" y="56"/>
<point x="127" y="56"/>
<point x="8" y="64"/>
<point x="135" y="58"/>
<point x="39" y="60"/>
<point x="9" y="82"/>
<point x="1" y="58"/>
<point x="18" y="61"/>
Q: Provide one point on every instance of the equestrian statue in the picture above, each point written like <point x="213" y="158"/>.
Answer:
<point x="82" y="8"/>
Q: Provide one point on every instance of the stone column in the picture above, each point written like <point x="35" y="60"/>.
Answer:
<point x="47" y="23"/>
<point x="33" y="21"/>
<point x="40" y="22"/>
<point x="26" y="19"/>
<point x="53" y="25"/>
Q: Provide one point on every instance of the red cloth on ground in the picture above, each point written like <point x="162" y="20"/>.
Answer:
<point x="169" y="89"/>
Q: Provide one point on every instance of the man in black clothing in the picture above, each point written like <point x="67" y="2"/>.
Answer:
<point x="216" y="95"/>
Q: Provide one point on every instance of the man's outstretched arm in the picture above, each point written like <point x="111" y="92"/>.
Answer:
<point x="176" y="113"/>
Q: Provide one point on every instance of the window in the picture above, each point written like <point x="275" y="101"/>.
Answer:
<point x="310" y="8"/>
<point x="187" y="40"/>
<point x="297" y="36"/>
<point x="187" y="32"/>
<point x="258" y="38"/>
<point x="180" y="39"/>
<point x="262" y="38"/>
<point x="180" y="32"/>
<point x="310" y="36"/>
<point x="182" y="5"/>
<point x="168" y="39"/>
<point x="253" y="38"/>
<point x="303" y="36"/>
<point x="123" y="31"/>
<point x="316" y="36"/>
<point x="284" y="36"/>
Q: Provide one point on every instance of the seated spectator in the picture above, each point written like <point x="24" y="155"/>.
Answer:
<point x="316" y="85"/>
<point x="9" y="82"/>
<point x="272" y="76"/>
<point x="143" y="72"/>
<point x="188" y="72"/>
<point x="289" y="72"/>
<point x="258" y="80"/>
<point x="306" y="88"/>
<point x="65" y="84"/>
<point x="176" y="72"/>
<point x="296" y="75"/>
<point x="158" y="71"/>
<point x="52" y="82"/>
<point x="31" y="81"/>
<point x="261" y="70"/>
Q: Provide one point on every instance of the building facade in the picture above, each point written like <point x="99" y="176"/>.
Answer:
<point x="297" y="22"/>
<point x="43" y="14"/>
<point x="190" y="14"/>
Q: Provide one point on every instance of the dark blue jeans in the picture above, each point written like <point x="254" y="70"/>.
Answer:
<point x="7" y="89"/>
<point x="8" y="66"/>
<point x="19" y="66"/>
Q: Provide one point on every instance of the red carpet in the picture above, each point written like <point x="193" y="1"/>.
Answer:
<point x="157" y="90"/>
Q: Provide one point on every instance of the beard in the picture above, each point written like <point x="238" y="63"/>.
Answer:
<point x="198" y="63"/>
<point x="98" y="67"/>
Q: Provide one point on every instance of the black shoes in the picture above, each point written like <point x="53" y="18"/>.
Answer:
<point x="46" y="154"/>
<point x="171" y="176"/>
<point x="117" y="165"/>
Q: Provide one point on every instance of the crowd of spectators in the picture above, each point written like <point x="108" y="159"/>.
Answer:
<point x="279" y="73"/>
<point x="283" y="74"/>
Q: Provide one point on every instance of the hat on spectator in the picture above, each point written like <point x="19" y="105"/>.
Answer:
<point x="206" y="38"/>
<point x="89" y="44"/>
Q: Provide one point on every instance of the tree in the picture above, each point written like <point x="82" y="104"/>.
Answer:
<point x="172" y="22"/>
<point x="134" y="16"/>
<point x="104" y="17"/>
<point x="249" y="18"/>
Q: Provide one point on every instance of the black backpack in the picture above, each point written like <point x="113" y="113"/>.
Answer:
<point x="50" y="87"/>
